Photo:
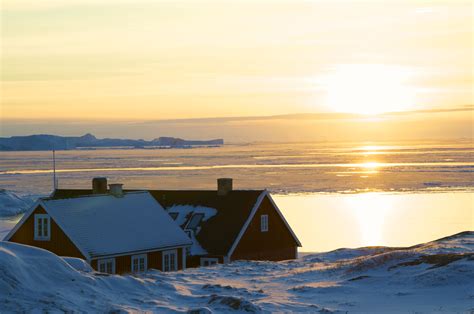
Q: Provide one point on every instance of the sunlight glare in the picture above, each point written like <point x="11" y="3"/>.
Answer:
<point x="371" y="211"/>
<point x="370" y="165"/>
<point x="369" y="89"/>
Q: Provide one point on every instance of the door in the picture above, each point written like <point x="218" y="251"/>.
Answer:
<point x="170" y="260"/>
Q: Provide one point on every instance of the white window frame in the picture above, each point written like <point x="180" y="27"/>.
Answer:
<point x="172" y="267"/>
<point x="264" y="223"/>
<point x="43" y="236"/>
<point x="145" y="263"/>
<point x="210" y="260"/>
<point x="105" y="262"/>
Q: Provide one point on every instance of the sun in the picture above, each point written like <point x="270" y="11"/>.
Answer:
<point x="368" y="89"/>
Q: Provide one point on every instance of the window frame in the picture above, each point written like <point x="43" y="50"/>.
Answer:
<point x="36" y="230"/>
<point x="163" y="259"/>
<point x="138" y="257"/>
<point x="199" y="216"/>
<point x="264" y="226"/>
<point x="105" y="261"/>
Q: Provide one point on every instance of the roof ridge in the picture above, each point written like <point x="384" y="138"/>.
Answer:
<point x="191" y="190"/>
<point x="52" y="198"/>
<point x="170" y="190"/>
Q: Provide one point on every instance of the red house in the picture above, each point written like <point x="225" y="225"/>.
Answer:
<point x="224" y="224"/>
<point x="115" y="232"/>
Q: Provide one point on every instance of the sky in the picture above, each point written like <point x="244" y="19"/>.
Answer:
<point x="87" y="64"/>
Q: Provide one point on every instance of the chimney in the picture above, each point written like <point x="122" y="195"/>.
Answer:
<point x="116" y="189"/>
<point x="99" y="185"/>
<point x="224" y="186"/>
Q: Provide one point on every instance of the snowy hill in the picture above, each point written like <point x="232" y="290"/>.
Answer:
<point x="12" y="204"/>
<point x="435" y="277"/>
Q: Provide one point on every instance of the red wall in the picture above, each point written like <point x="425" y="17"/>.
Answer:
<point x="274" y="245"/>
<point x="123" y="264"/>
<point x="59" y="243"/>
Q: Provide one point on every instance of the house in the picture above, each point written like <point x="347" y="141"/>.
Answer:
<point x="224" y="224"/>
<point x="115" y="232"/>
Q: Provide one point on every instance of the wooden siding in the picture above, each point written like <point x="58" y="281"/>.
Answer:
<point x="123" y="264"/>
<point x="274" y="245"/>
<point x="59" y="242"/>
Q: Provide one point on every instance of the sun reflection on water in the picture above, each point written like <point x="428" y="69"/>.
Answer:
<point x="371" y="211"/>
<point x="370" y="165"/>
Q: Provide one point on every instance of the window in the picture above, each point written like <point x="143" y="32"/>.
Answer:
<point x="195" y="221"/>
<point x="207" y="261"/>
<point x="106" y="266"/>
<point x="139" y="263"/>
<point x="42" y="227"/>
<point x="170" y="260"/>
<point x="264" y="223"/>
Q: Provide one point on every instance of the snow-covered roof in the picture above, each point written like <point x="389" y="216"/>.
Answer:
<point x="183" y="211"/>
<point x="184" y="214"/>
<point x="102" y="225"/>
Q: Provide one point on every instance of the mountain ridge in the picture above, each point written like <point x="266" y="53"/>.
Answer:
<point x="41" y="142"/>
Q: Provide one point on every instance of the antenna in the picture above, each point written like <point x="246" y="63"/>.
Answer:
<point x="55" y="182"/>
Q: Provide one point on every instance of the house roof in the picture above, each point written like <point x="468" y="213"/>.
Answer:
<point x="219" y="233"/>
<point x="104" y="225"/>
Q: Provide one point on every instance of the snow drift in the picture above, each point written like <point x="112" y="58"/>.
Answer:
<point x="12" y="204"/>
<point x="432" y="277"/>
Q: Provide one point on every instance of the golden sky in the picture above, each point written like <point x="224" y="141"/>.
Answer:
<point x="150" y="60"/>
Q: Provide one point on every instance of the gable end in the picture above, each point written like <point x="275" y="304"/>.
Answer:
<point x="59" y="243"/>
<point x="267" y="207"/>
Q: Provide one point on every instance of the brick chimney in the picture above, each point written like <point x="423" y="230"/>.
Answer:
<point x="224" y="186"/>
<point x="116" y="189"/>
<point x="99" y="185"/>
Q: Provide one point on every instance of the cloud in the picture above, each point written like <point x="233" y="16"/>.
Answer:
<point x="312" y="116"/>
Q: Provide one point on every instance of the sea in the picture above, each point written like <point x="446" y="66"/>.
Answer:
<point x="334" y="195"/>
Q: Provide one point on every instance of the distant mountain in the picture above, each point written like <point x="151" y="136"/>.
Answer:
<point x="49" y="142"/>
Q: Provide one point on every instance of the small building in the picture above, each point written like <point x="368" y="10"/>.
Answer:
<point x="224" y="224"/>
<point x="117" y="232"/>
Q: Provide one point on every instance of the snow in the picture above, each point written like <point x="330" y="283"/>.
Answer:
<point x="184" y="210"/>
<point x="139" y="223"/>
<point x="196" y="248"/>
<point x="12" y="204"/>
<point x="78" y="264"/>
<point x="435" y="277"/>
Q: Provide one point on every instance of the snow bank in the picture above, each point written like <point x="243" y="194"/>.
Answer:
<point x="432" y="277"/>
<point x="78" y="264"/>
<point x="12" y="204"/>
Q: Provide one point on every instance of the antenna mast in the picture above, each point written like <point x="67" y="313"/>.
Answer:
<point x="55" y="182"/>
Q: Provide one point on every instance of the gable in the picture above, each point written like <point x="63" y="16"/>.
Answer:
<point x="279" y="235"/>
<point x="60" y="244"/>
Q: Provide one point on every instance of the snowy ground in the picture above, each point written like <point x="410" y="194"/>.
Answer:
<point x="435" y="277"/>
<point x="12" y="204"/>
